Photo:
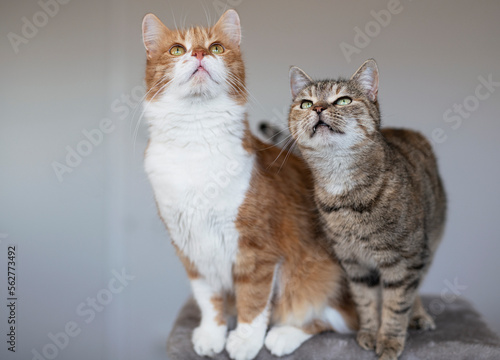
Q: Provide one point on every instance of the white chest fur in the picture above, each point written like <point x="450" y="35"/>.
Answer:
<point x="200" y="174"/>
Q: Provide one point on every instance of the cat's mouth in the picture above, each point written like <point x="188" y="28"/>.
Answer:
<point x="321" y="124"/>
<point x="200" y="69"/>
<point x="200" y="72"/>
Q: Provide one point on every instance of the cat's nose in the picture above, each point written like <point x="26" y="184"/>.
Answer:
<point x="318" y="109"/>
<point x="199" y="53"/>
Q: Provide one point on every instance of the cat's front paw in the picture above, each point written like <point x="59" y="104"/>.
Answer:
<point x="209" y="340"/>
<point x="367" y="339"/>
<point x="283" y="340"/>
<point x="245" y="342"/>
<point x="389" y="347"/>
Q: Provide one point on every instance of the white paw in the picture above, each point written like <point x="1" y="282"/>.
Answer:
<point x="283" y="340"/>
<point x="245" y="342"/>
<point x="209" y="340"/>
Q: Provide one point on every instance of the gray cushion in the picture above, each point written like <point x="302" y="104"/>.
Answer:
<point x="460" y="334"/>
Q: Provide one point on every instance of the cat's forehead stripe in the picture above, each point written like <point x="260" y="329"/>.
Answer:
<point x="194" y="36"/>
<point x="327" y="90"/>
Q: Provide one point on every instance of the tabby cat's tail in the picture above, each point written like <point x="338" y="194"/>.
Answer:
<point x="273" y="134"/>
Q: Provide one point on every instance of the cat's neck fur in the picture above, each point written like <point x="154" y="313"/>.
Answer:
<point x="342" y="172"/>
<point x="183" y="121"/>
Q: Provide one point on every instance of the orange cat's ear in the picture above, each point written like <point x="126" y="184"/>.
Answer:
<point x="367" y="78"/>
<point x="298" y="80"/>
<point x="229" y="24"/>
<point x="153" y="34"/>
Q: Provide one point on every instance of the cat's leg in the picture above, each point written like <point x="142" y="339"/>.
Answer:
<point x="364" y="285"/>
<point x="399" y="290"/>
<point x="209" y="337"/>
<point x="312" y="298"/>
<point x="254" y="283"/>
<point x="420" y="318"/>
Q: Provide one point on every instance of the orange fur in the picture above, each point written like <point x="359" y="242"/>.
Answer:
<point x="281" y="259"/>
<point x="278" y="222"/>
<point x="159" y="64"/>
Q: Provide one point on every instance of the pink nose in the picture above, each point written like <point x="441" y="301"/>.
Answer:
<point x="199" y="53"/>
<point x="319" y="109"/>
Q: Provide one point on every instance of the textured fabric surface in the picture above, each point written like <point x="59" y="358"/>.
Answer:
<point x="460" y="334"/>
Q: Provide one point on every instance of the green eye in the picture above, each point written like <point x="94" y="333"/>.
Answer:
<point x="306" y="104"/>
<point x="177" y="50"/>
<point x="216" y="49"/>
<point x="343" y="101"/>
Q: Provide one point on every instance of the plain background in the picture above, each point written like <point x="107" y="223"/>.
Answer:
<point x="74" y="72"/>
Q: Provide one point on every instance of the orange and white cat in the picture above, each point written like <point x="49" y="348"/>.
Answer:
<point x="247" y="234"/>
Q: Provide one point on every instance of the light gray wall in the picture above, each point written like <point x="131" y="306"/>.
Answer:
<point x="81" y="66"/>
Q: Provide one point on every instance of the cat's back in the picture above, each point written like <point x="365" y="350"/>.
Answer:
<point x="412" y="144"/>
<point x="417" y="160"/>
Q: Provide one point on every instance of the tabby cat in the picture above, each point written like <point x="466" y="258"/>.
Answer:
<point x="245" y="230"/>
<point x="380" y="197"/>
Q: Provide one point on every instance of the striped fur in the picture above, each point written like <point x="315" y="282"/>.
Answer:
<point x="381" y="201"/>
<point x="244" y="225"/>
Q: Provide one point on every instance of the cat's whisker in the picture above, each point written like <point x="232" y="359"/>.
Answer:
<point x="173" y="18"/>
<point x="164" y="77"/>
<point x="185" y="16"/>
<point x="139" y="103"/>
<point x="136" y="130"/>
<point x="251" y="96"/>
<point x="237" y="88"/>
<point x="207" y="13"/>
<point x="138" y="106"/>
<point x="277" y="143"/>
<point x="280" y="132"/>
<point x="286" y="148"/>
<point x="291" y="149"/>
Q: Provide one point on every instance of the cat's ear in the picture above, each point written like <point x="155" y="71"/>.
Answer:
<point x="298" y="80"/>
<point x="229" y="24"/>
<point x="153" y="34"/>
<point x="367" y="78"/>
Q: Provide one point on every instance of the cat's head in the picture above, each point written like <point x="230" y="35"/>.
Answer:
<point x="335" y="114"/>
<point x="198" y="63"/>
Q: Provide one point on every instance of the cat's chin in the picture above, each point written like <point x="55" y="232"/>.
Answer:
<point x="325" y="139"/>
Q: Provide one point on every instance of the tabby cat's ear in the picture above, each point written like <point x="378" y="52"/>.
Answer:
<point x="367" y="78"/>
<point x="298" y="80"/>
<point x="229" y="24"/>
<point x="153" y="34"/>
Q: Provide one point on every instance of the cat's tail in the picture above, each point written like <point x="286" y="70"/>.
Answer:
<point x="273" y="133"/>
<point x="277" y="136"/>
<point x="339" y="320"/>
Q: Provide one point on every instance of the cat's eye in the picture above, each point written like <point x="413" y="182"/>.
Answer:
<point x="343" y="101"/>
<point x="216" y="49"/>
<point x="177" y="50"/>
<point x="306" y="104"/>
